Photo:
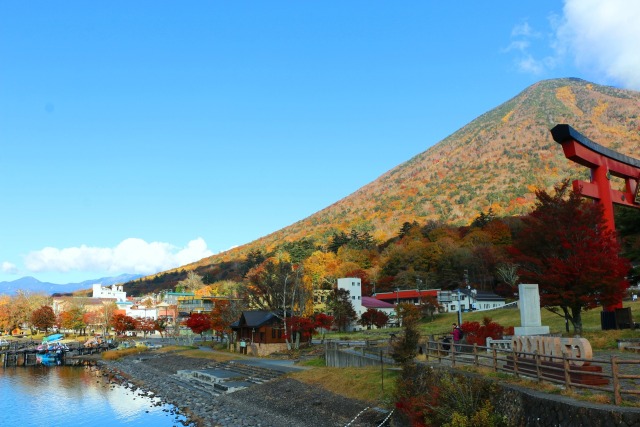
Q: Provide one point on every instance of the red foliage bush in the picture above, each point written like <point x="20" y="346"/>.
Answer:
<point x="476" y="333"/>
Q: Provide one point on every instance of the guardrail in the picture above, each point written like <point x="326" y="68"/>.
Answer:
<point x="612" y="376"/>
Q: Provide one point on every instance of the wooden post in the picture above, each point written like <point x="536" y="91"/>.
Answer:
<point x="439" y="352"/>
<point x="617" y="398"/>
<point x="381" y="372"/>
<point x="515" y="363"/>
<point x="567" y="374"/>
<point x="495" y="359"/>
<point x="475" y="354"/>
<point x="538" y="373"/>
<point x="453" y="356"/>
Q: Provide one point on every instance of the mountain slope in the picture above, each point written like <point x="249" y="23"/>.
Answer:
<point x="497" y="161"/>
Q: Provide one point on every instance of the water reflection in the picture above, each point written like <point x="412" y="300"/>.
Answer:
<point x="50" y="396"/>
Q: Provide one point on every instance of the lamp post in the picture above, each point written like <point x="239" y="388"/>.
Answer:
<point x="397" y="296"/>
<point x="459" y="308"/>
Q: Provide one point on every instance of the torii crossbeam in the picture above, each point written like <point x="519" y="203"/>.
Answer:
<point x="603" y="163"/>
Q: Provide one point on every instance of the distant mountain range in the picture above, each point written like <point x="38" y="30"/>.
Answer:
<point x="31" y="284"/>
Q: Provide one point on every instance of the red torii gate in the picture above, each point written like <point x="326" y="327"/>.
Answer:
<point x="603" y="163"/>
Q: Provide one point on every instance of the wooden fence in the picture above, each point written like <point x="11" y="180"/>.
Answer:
<point x="616" y="375"/>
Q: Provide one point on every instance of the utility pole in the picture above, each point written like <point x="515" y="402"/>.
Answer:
<point x="459" y="308"/>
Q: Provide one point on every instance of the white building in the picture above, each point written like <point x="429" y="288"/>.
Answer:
<point x="362" y="304"/>
<point x="468" y="300"/>
<point x="354" y="286"/>
<point x="142" y="312"/>
<point x="115" y="291"/>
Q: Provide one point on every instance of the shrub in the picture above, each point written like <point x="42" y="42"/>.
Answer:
<point x="430" y="397"/>
<point x="117" y="354"/>
<point x="405" y="348"/>
<point x="476" y="333"/>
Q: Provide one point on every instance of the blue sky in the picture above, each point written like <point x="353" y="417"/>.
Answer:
<point x="140" y="136"/>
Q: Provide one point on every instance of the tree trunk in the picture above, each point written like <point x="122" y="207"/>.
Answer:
<point x="567" y="318"/>
<point x="576" y="312"/>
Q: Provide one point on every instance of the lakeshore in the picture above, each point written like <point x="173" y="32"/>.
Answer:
<point x="279" y="402"/>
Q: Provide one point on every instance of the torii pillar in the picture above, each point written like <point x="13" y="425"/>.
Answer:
<point x="603" y="163"/>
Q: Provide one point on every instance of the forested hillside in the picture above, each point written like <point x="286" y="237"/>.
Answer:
<point x="495" y="163"/>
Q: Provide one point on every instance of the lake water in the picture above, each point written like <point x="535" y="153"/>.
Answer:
<point x="75" y="396"/>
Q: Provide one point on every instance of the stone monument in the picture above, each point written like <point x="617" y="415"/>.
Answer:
<point x="530" y="318"/>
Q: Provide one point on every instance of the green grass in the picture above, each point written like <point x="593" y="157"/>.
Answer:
<point x="511" y="317"/>
<point x="316" y="362"/>
<point x="367" y="384"/>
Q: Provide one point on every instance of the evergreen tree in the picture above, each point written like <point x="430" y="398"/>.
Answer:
<point x="339" y="303"/>
<point x="405" y="348"/>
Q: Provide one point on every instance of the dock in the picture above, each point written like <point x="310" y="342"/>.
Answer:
<point x="25" y="353"/>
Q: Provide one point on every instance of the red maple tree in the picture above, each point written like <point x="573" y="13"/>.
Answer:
<point x="304" y="327"/>
<point x="199" y="323"/>
<point x="43" y="318"/>
<point x="373" y="317"/>
<point x="122" y="323"/>
<point x="566" y="248"/>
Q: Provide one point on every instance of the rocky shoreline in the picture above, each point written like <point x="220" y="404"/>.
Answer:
<point x="280" y="402"/>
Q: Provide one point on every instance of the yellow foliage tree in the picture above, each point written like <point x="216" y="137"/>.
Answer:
<point x="320" y="270"/>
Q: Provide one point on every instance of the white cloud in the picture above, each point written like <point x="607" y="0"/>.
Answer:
<point x="129" y="256"/>
<point x="529" y="64"/>
<point x="600" y="37"/>
<point x="522" y="36"/>
<point x="525" y="30"/>
<point x="519" y="45"/>
<point x="603" y="36"/>
<point x="9" y="268"/>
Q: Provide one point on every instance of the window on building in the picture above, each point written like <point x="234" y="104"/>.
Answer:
<point x="353" y="297"/>
<point x="453" y="307"/>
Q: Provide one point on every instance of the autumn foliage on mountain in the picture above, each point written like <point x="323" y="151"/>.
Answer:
<point x="493" y="166"/>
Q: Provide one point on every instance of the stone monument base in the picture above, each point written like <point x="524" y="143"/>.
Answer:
<point x="531" y="330"/>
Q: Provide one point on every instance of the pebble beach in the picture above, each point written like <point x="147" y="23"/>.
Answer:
<point x="277" y="402"/>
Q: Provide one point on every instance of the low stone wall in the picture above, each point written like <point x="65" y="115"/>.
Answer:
<point x="524" y="407"/>
<point x="260" y="350"/>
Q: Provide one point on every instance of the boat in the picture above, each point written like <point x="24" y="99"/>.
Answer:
<point x="49" y="359"/>
<point x="52" y="338"/>
<point x="51" y="351"/>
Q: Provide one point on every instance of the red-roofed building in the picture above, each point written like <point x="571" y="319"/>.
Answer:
<point x="450" y="301"/>
<point x="411" y="296"/>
